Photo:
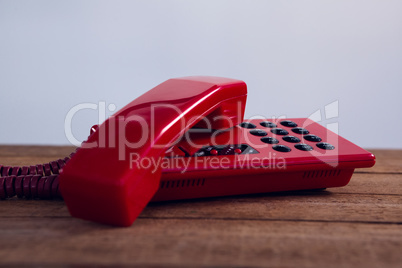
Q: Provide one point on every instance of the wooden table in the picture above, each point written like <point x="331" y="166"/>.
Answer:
<point x="355" y="226"/>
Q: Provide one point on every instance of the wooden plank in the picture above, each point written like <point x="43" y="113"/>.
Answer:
<point x="33" y="151"/>
<point x="388" y="161"/>
<point x="368" y="197"/>
<point x="19" y="155"/>
<point x="323" y="206"/>
<point x="196" y="243"/>
<point x="371" y="183"/>
<point x="290" y="206"/>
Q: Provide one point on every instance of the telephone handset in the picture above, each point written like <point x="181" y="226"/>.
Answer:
<point x="100" y="183"/>
<point x="186" y="138"/>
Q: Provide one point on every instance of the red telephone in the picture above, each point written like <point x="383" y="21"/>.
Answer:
<point x="183" y="139"/>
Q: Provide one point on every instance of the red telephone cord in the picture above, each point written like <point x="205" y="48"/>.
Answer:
<point x="38" y="181"/>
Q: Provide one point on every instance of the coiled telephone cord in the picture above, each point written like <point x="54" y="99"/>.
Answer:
<point x="33" y="182"/>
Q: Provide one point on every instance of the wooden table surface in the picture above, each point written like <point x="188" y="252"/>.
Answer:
<point x="359" y="225"/>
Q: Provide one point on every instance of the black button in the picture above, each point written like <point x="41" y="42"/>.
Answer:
<point x="281" y="148"/>
<point x="258" y="132"/>
<point x="247" y="125"/>
<point x="269" y="140"/>
<point x="303" y="147"/>
<point x="227" y="150"/>
<point x="325" y="146"/>
<point x="288" y="123"/>
<point x="292" y="139"/>
<point x="312" y="137"/>
<point x="279" y="131"/>
<point x="300" y="130"/>
<point x="267" y="124"/>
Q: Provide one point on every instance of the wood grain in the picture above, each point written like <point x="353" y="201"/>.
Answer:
<point x="359" y="225"/>
<point x="387" y="161"/>
<point x="19" y="155"/>
<point x="201" y="242"/>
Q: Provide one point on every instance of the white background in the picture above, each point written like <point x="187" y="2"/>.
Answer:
<point x="295" y="56"/>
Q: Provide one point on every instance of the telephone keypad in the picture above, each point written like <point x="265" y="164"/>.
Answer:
<point x="287" y="143"/>
<point x="280" y="147"/>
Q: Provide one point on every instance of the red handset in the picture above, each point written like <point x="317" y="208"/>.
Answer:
<point x="100" y="183"/>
